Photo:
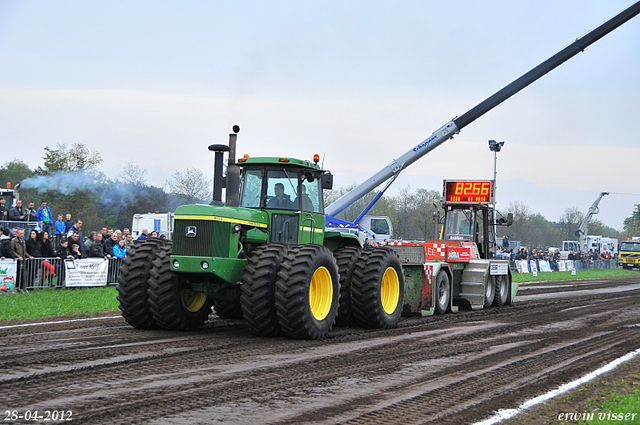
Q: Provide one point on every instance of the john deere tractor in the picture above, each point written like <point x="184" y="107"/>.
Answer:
<point x="263" y="256"/>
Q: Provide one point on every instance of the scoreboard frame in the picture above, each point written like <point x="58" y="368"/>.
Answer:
<point x="465" y="192"/>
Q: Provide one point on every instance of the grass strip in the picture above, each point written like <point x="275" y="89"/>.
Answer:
<point x="614" y="407"/>
<point x="616" y="392"/>
<point x="580" y="274"/>
<point x="57" y="302"/>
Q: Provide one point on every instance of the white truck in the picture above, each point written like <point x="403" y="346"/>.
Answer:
<point x="377" y="228"/>
<point x="162" y="223"/>
<point x="600" y="243"/>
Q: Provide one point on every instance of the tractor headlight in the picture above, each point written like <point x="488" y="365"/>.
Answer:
<point x="176" y="264"/>
<point x="237" y="228"/>
<point x="204" y="265"/>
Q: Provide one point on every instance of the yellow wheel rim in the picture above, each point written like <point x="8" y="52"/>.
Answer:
<point x="321" y="293"/>
<point x="192" y="301"/>
<point x="390" y="290"/>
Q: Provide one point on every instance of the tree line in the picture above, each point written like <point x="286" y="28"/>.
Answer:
<point x="70" y="182"/>
<point x="412" y="216"/>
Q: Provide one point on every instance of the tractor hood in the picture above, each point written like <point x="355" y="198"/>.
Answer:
<point x="234" y="215"/>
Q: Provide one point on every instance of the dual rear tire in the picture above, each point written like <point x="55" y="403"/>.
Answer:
<point x="377" y="289"/>
<point x="300" y="291"/>
<point x="502" y="289"/>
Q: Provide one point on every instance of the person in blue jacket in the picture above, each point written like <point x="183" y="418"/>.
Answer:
<point x="43" y="215"/>
<point x="120" y="249"/>
<point x="60" y="229"/>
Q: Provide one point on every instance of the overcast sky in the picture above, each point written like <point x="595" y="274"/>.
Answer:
<point x="359" y="82"/>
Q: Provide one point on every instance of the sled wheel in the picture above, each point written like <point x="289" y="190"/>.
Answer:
<point x="377" y="292"/>
<point x="346" y="258"/>
<point x="442" y="292"/>
<point x="132" y="284"/>
<point x="258" y="297"/>
<point x="502" y="291"/>
<point x="173" y="304"/>
<point x="489" y="290"/>
<point x="228" y="309"/>
<point x="307" y="292"/>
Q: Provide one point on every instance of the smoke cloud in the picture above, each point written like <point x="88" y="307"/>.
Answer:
<point x="68" y="182"/>
<point x="65" y="182"/>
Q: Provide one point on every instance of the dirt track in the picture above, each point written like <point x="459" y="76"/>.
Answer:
<point x="457" y="368"/>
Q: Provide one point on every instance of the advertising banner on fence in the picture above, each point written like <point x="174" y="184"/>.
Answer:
<point x="523" y="266"/>
<point x="7" y="276"/>
<point x="86" y="272"/>
<point x="544" y="266"/>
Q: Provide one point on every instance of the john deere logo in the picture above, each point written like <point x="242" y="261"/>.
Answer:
<point x="190" y="231"/>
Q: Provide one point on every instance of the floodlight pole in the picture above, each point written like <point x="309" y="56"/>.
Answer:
<point x="495" y="147"/>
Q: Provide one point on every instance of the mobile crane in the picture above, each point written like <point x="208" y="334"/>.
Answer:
<point x="583" y="230"/>
<point x="265" y="253"/>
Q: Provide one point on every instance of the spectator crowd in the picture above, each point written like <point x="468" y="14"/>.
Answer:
<point x="581" y="259"/>
<point x="61" y="239"/>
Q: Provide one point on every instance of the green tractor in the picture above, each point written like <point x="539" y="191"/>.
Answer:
<point x="265" y="256"/>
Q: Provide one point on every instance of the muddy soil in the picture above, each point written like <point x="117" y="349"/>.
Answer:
<point x="452" y="369"/>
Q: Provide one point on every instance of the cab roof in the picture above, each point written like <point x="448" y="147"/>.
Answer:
<point x="277" y="161"/>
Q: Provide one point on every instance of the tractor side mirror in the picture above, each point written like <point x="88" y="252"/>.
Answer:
<point x="327" y="181"/>
<point x="505" y="221"/>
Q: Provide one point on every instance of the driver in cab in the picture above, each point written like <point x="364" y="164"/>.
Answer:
<point x="281" y="200"/>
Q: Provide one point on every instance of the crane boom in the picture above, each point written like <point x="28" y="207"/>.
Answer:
<point x="451" y="128"/>
<point x="581" y="233"/>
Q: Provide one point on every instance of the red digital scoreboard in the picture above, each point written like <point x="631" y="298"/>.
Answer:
<point x="469" y="191"/>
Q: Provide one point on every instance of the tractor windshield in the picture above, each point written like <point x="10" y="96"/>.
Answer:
<point x="286" y="189"/>
<point x="459" y="225"/>
<point x="282" y="189"/>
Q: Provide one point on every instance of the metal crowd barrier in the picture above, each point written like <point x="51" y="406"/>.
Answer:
<point x="596" y="264"/>
<point x="28" y="226"/>
<point x="41" y="273"/>
<point x="580" y="265"/>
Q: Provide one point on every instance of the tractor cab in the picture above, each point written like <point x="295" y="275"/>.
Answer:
<point x="471" y="224"/>
<point x="290" y="191"/>
<point x="470" y="214"/>
<point x="10" y="195"/>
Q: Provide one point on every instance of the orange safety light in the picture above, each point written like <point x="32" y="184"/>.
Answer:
<point x="283" y="159"/>
<point x="316" y="158"/>
<point x="244" y="158"/>
<point x="8" y="185"/>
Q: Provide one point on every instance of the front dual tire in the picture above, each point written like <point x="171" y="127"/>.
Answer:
<point x="133" y="284"/>
<point x="307" y="292"/>
<point x="173" y="304"/>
